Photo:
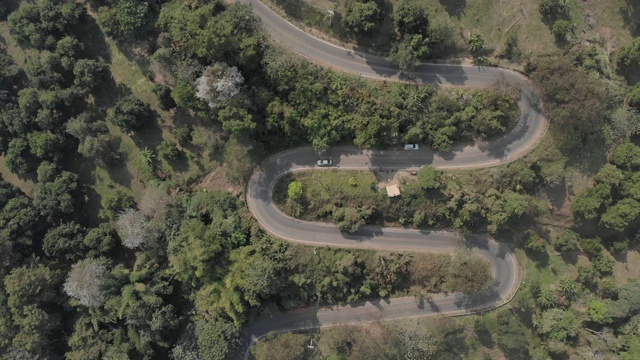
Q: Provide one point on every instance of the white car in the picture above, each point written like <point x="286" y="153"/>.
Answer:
<point x="324" y="162"/>
<point x="411" y="146"/>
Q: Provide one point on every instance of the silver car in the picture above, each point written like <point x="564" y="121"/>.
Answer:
<point x="324" y="162"/>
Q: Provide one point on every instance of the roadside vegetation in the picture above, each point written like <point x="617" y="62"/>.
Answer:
<point x="128" y="129"/>
<point x="490" y="32"/>
<point x="467" y="201"/>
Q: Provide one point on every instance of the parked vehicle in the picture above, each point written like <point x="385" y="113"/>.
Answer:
<point x="324" y="162"/>
<point x="411" y="146"/>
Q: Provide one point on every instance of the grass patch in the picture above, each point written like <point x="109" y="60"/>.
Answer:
<point x="325" y="189"/>
<point x="612" y="22"/>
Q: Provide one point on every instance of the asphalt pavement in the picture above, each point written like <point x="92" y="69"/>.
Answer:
<point x="525" y="136"/>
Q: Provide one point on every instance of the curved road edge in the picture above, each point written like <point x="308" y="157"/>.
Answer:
<point x="502" y="260"/>
<point x="523" y="138"/>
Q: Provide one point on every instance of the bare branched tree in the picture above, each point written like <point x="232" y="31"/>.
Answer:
<point x="218" y="84"/>
<point x="85" y="281"/>
<point x="135" y="229"/>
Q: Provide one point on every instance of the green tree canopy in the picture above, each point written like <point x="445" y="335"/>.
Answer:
<point x="559" y="325"/>
<point x="621" y="215"/>
<point x="295" y="190"/>
<point x="411" y="18"/>
<point x="130" y="113"/>
<point x="362" y="16"/>
<point x="128" y="19"/>
<point x="429" y="178"/>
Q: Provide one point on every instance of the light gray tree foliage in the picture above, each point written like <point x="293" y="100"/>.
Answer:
<point x="135" y="229"/>
<point x="218" y="84"/>
<point x="85" y="280"/>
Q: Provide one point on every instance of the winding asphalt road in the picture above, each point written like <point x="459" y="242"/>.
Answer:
<point x="526" y="135"/>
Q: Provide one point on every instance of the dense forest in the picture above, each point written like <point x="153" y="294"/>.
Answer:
<point x="155" y="266"/>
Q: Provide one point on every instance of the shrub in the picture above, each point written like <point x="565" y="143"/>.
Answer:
<point x="168" y="149"/>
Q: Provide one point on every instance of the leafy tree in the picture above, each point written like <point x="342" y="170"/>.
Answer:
<point x="574" y="100"/>
<point x="626" y="156"/>
<point x="603" y="264"/>
<point x="510" y="207"/>
<point x="15" y="157"/>
<point x="68" y="51"/>
<point x="217" y="340"/>
<point x="633" y="96"/>
<point x="236" y="120"/>
<point x="168" y="150"/>
<point x="566" y="242"/>
<point x="628" y="302"/>
<point x="561" y="29"/>
<point x="295" y="190"/>
<point x="536" y="243"/>
<point x="237" y="158"/>
<point x="136" y="297"/>
<point x="621" y="215"/>
<point x="609" y="175"/>
<point x="135" y="230"/>
<point x="130" y="113"/>
<point x="19" y="220"/>
<point x="164" y="97"/>
<point x="187" y="346"/>
<point x="597" y="311"/>
<point x="559" y="325"/>
<point x="41" y="24"/>
<point x="192" y="254"/>
<point x="349" y="220"/>
<point x="83" y="126"/>
<point x="86" y="342"/>
<point x="254" y="275"/>
<point x="629" y="56"/>
<point x="512" y="336"/>
<point x="587" y="275"/>
<point x="589" y="203"/>
<point x="551" y="8"/>
<point x="66" y="240"/>
<point x="429" y="178"/>
<point x="608" y="287"/>
<point x="85" y="282"/>
<point x="126" y="20"/>
<point x="592" y="246"/>
<point x="407" y="52"/>
<point x="89" y="73"/>
<point x="411" y="18"/>
<point x="6" y="324"/>
<point x="115" y="204"/>
<point x="100" y="240"/>
<point x="185" y="95"/>
<point x="47" y="146"/>
<point x="362" y="17"/>
<point x="631" y="186"/>
<point x="55" y="193"/>
<point x="98" y="147"/>
<point x="183" y="135"/>
<point x="29" y="288"/>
